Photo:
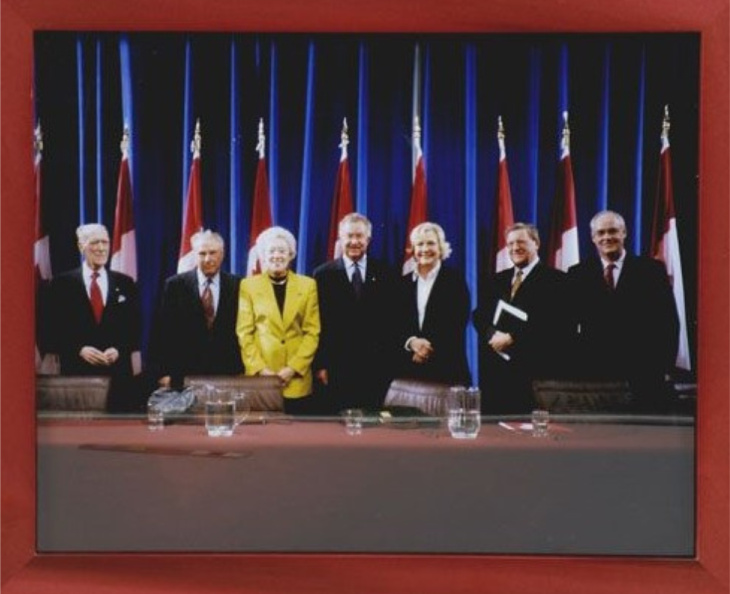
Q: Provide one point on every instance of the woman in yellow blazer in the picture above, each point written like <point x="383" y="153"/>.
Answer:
<point x="278" y="321"/>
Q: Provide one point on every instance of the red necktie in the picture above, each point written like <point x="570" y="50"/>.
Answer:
<point x="207" y="300"/>
<point x="608" y="275"/>
<point x="97" y="301"/>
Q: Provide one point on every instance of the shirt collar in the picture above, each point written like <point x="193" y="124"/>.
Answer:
<point x="362" y="262"/>
<point x="527" y="269"/>
<point x="88" y="271"/>
<point x="430" y="276"/>
<point x="618" y="263"/>
<point x="214" y="280"/>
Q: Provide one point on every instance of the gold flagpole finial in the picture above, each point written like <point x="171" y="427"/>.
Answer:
<point x="197" y="141"/>
<point x="261" y="144"/>
<point x="124" y="144"/>
<point x="416" y="128"/>
<point x="38" y="138"/>
<point x="666" y="123"/>
<point x="500" y="129"/>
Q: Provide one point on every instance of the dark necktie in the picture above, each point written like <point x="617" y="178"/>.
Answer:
<point x="97" y="301"/>
<point x="207" y="300"/>
<point x="516" y="282"/>
<point x="608" y="276"/>
<point x="357" y="280"/>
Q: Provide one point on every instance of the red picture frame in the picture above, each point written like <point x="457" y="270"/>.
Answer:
<point x="25" y="571"/>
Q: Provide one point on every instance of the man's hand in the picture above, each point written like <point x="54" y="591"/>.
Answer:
<point x="323" y="376"/>
<point x="501" y="341"/>
<point x="94" y="356"/>
<point x="112" y="355"/>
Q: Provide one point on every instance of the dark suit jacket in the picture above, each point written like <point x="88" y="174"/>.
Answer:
<point x="444" y="325"/>
<point x="187" y="346"/>
<point x="356" y="342"/>
<point x="541" y="344"/>
<point x="630" y="332"/>
<point x="73" y="325"/>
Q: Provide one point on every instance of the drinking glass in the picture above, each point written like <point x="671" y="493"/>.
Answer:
<point x="540" y="421"/>
<point x="354" y="418"/>
<point x="464" y="412"/>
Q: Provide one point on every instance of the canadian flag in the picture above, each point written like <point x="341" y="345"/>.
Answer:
<point x="342" y="201"/>
<point x="503" y="214"/>
<point x="45" y="363"/>
<point x="419" y="209"/>
<point x="124" y="244"/>
<point x="261" y="218"/>
<point x="193" y="218"/>
<point x="665" y="241"/>
<point x="563" y="240"/>
<point x="41" y="247"/>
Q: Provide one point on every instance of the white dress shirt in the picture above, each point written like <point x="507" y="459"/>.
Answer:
<point x="618" y="266"/>
<point x="423" y="291"/>
<point x="102" y="280"/>
<point x="215" y="286"/>
<point x="362" y="264"/>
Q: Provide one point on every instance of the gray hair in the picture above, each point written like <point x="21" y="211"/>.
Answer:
<point x="268" y="235"/>
<point x="619" y="219"/>
<point x="85" y="232"/>
<point x="207" y="235"/>
<point x="354" y="218"/>
<point x="444" y="246"/>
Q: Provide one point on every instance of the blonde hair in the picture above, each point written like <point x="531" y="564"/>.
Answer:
<point x="418" y="230"/>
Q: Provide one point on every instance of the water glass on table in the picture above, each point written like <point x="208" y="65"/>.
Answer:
<point x="540" y="422"/>
<point x="155" y="417"/>
<point x="220" y="413"/>
<point x="463" y="406"/>
<point x="353" y="418"/>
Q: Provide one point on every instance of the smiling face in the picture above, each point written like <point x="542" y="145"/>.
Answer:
<point x="277" y="257"/>
<point x="608" y="234"/>
<point x="354" y="240"/>
<point x="522" y="248"/>
<point x="426" y="250"/>
<point x="95" y="248"/>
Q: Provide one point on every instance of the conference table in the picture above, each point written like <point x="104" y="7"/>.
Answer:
<point x="592" y="487"/>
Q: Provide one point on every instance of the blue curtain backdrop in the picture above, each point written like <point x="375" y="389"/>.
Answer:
<point x="614" y="87"/>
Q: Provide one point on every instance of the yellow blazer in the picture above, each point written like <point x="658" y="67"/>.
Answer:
<point x="268" y="339"/>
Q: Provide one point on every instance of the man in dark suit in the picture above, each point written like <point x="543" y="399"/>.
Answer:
<point x="197" y="329"/>
<point x="95" y="318"/>
<point x="515" y="351"/>
<point x="353" y="361"/>
<point x="626" y="315"/>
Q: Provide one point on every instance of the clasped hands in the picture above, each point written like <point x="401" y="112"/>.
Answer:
<point x="285" y="374"/>
<point x="94" y="356"/>
<point x="421" y="348"/>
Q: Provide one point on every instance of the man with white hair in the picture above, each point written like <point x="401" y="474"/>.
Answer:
<point x="197" y="329"/>
<point x="95" y="318"/>
<point x="355" y="357"/>
<point x="625" y="312"/>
